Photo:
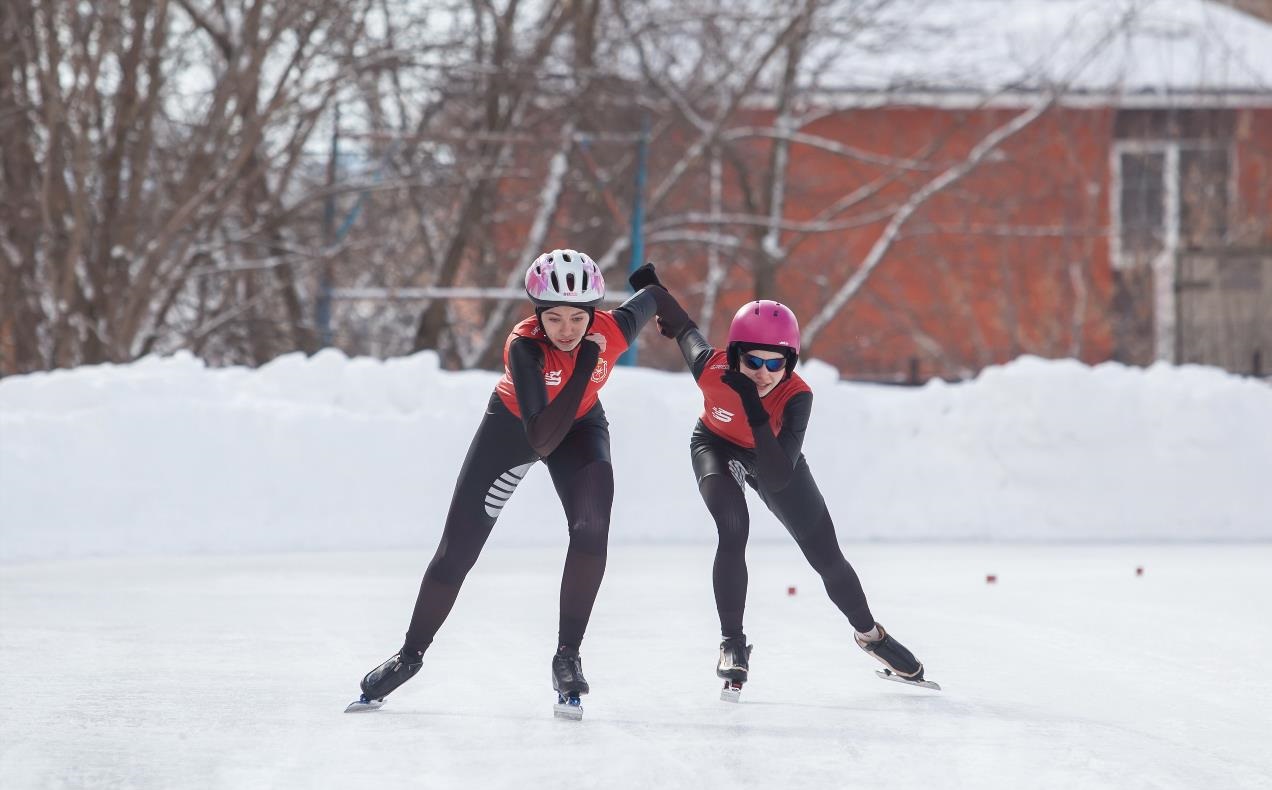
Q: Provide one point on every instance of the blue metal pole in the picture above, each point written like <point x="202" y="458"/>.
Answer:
<point x="328" y="221"/>
<point x="638" y="219"/>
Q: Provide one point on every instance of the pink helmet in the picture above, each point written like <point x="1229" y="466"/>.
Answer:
<point x="764" y="323"/>
<point x="564" y="277"/>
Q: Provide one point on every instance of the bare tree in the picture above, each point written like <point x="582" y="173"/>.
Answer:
<point x="887" y="198"/>
<point x="206" y="174"/>
<point x="157" y="144"/>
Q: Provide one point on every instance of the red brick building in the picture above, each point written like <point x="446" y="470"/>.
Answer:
<point x="1128" y="222"/>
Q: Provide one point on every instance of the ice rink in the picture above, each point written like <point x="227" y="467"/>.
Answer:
<point x="1069" y="672"/>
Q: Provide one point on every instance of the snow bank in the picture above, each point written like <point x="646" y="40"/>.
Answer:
<point x="167" y="456"/>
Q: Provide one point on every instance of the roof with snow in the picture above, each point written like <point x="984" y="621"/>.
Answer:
<point x="1143" y="52"/>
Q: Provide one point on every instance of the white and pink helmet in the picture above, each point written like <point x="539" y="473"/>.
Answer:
<point x="565" y="277"/>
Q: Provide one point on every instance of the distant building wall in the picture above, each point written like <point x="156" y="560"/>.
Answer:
<point x="1065" y="243"/>
<point x="1033" y="253"/>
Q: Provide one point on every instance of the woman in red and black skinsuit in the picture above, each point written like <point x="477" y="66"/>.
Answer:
<point x="546" y="407"/>
<point x="756" y="411"/>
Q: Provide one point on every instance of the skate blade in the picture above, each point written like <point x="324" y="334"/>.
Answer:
<point x="732" y="692"/>
<point x="571" y="711"/>
<point x="363" y="704"/>
<point x="889" y="675"/>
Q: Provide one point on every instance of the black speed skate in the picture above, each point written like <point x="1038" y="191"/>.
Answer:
<point x="568" y="682"/>
<point x="384" y="679"/>
<point x="899" y="663"/>
<point x="733" y="666"/>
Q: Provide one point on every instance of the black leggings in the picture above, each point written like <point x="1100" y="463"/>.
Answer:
<point x="722" y="468"/>
<point x="497" y="460"/>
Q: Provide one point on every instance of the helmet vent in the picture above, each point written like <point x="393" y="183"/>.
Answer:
<point x="584" y="275"/>
<point x="569" y="281"/>
<point x="556" y="283"/>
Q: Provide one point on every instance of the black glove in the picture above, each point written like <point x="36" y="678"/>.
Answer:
<point x="644" y="276"/>
<point x="672" y="318"/>
<point x="740" y="383"/>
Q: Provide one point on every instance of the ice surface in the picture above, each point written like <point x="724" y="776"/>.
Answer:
<point x="1071" y="671"/>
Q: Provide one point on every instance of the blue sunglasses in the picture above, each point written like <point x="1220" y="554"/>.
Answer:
<point x="755" y="363"/>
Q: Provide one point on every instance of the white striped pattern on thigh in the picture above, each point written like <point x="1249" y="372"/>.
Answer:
<point x="502" y="489"/>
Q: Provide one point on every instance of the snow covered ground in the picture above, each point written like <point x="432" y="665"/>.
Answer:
<point x="197" y="566"/>
<point x="232" y="672"/>
<point x="330" y="453"/>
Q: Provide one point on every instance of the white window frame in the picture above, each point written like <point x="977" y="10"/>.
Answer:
<point x="1170" y="192"/>
<point x="1170" y="175"/>
<point x="1164" y="265"/>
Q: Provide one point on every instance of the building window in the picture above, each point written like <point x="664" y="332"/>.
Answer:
<point x="1172" y="181"/>
<point x="1142" y="199"/>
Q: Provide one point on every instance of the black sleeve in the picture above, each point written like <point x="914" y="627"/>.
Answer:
<point x="548" y="423"/>
<point x="695" y="349"/>
<point x="775" y="456"/>
<point x="633" y="314"/>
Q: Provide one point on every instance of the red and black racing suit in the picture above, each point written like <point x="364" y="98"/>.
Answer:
<point x="544" y="408"/>
<point x="728" y="450"/>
